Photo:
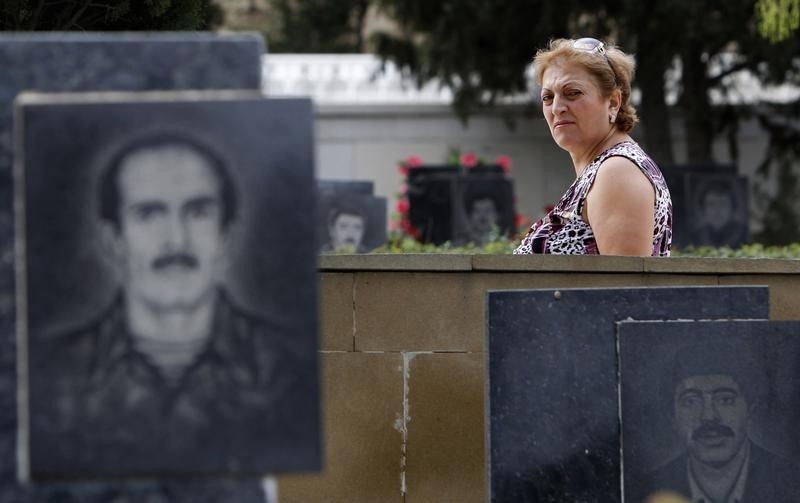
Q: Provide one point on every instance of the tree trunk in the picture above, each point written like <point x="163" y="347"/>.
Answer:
<point x="698" y="120"/>
<point x="654" y="111"/>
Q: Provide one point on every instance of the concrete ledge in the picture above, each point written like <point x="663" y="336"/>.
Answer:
<point x="396" y="262"/>
<point x="555" y="263"/>
<point x="576" y="263"/>
<point x="690" y="265"/>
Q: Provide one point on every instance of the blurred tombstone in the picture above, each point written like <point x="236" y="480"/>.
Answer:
<point x="165" y="204"/>
<point x="430" y="198"/>
<point x="703" y="394"/>
<point x="487" y="209"/>
<point x="366" y="187"/>
<point x="719" y="220"/>
<point x="552" y="399"/>
<point x="718" y="210"/>
<point x="460" y="205"/>
<point x="351" y="222"/>
<point x="61" y="62"/>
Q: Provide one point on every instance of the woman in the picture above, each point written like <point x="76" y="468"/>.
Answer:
<point x="619" y="203"/>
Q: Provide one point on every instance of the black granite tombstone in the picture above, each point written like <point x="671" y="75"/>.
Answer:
<point x="709" y="408"/>
<point x="459" y="204"/>
<point x="717" y="213"/>
<point x="365" y="187"/>
<point x="351" y="222"/>
<point x="709" y="205"/>
<point x="167" y="286"/>
<point x="59" y="62"/>
<point x="486" y="210"/>
<point x="431" y="202"/>
<point x="552" y="407"/>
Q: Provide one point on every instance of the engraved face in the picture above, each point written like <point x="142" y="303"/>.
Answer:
<point x="482" y="217"/>
<point x="718" y="209"/>
<point x="170" y="237"/>
<point x="346" y="230"/>
<point x="711" y="417"/>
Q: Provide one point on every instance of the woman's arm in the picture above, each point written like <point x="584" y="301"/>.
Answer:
<point x="620" y="208"/>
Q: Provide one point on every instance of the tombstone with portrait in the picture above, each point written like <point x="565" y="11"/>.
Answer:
<point x="718" y="211"/>
<point x="552" y="403"/>
<point x="710" y="205"/>
<point x="461" y="205"/>
<point x="168" y="314"/>
<point x="351" y="222"/>
<point x="709" y="409"/>
<point x="74" y="61"/>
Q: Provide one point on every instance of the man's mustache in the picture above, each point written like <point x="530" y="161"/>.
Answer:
<point x="172" y="259"/>
<point x="712" y="429"/>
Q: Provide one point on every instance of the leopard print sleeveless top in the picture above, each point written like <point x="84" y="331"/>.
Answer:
<point x="564" y="232"/>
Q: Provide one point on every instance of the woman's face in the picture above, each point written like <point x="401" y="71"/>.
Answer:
<point x="575" y="109"/>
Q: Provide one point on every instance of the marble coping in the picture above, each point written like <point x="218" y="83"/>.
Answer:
<point x="551" y="263"/>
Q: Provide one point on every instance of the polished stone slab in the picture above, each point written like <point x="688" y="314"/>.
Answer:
<point x="167" y="286"/>
<point x="350" y="222"/>
<point x="710" y="396"/>
<point x="552" y="412"/>
<point x="61" y="62"/>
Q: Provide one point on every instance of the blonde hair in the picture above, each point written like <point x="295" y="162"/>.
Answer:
<point x="612" y="70"/>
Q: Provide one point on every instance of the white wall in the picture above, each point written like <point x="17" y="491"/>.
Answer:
<point x="365" y="142"/>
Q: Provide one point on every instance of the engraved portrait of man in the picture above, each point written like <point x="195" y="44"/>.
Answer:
<point x="711" y="396"/>
<point x="719" y="210"/>
<point x="350" y="222"/>
<point x="482" y="217"/>
<point x="172" y="374"/>
<point x="346" y="226"/>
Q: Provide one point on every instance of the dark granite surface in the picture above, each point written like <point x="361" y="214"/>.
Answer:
<point x="247" y="404"/>
<point x="716" y="392"/>
<point x="552" y="411"/>
<point x="62" y="62"/>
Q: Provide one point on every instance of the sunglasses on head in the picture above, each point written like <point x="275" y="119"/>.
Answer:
<point x="592" y="45"/>
<point x="589" y="45"/>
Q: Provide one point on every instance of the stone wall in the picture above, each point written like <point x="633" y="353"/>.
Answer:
<point x="402" y="354"/>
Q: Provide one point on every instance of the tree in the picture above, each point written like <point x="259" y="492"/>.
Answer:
<point x="317" y="26"/>
<point x="481" y="49"/>
<point x="478" y="49"/>
<point x="778" y="19"/>
<point x="781" y="209"/>
<point x="108" y="15"/>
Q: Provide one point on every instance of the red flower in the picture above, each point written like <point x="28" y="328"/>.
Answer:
<point x="521" y="221"/>
<point x="402" y="206"/>
<point x="403" y="189"/>
<point x="469" y="160"/>
<point x="414" y="161"/>
<point x="410" y="229"/>
<point x="505" y="163"/>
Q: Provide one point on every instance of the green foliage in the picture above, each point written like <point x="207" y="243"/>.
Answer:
<point x="476" y="48"/>
<point x="109" y="15"/>
<point x="399" y="243"/>
<point x="778" y="19"/>
<point x="781" y="205"/>
<point x="755" y="250"/>
<point x="317" y="26"/>
<point x="402" y="243"/>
